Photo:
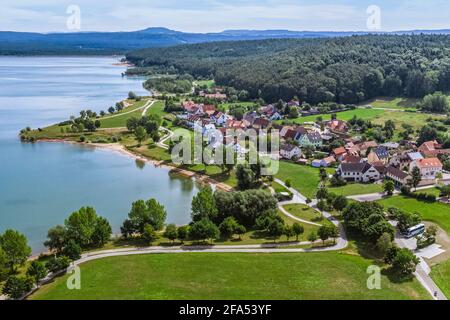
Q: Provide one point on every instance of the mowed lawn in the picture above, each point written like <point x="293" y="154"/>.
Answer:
<point x="120" y="119"/>
<point x="377" y="116"/>
<point x="306" y="213"/>
<point x="434" y="212"/>
<point x="208" y="276"/>
<point x="354" y="189"/>
<point x="441" y="275"/>
<point x="364" y="114"/>
<point x="393" y="103"/>
<point x="305" y="179"/>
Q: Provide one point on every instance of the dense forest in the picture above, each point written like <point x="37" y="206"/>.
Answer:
<point x="344" y="70"/>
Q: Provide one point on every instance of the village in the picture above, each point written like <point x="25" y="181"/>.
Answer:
<point x="333" y="144"/>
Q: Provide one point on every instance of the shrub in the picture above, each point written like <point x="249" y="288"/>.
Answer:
<point x="16" y="287"/>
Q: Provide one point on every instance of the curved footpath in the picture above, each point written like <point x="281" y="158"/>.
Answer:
<point x="147" y="105"/>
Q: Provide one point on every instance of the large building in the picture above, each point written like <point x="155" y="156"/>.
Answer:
<point x="358" y="172"/>
<point x="429" y="168"/>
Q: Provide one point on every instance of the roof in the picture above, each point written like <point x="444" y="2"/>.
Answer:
<point x="381" y="152"/>
<point x="288" y="147"/>
<point x="351" y="159"/>
<point x="260" y="122"/>
<point x="414" y="156"/>
<point x="193" y="118"/>
<point x="393" y="171"/>
<point x="355" y="167"/>
<point x="379" y="165"/>
<point x="391" y="145"/>
<point x="290" y="134"/>
<point x="339" y="151"/>
<point x="190" y="106"/>
<point x="429" y="145"/>
<point x="337" y="125"/>
<point x="428" y="163"/>
<point x="314" y="137"/>
<point x="368" y="144"/>
<point x="235" y="124"/>
<point x="329" y="159"/>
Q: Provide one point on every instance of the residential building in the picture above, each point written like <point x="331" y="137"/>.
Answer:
<point x="220" y="118"/>
<point x="429" y="167"/>
<point x="260" y="123"/>
<point x="340" y="153"/>
<point x="358" y="172"/>
<point x="337" y="126"/>
<point x="323" y="163"/>
<point x="352" y="159"/>
<point x="378" y="154"/>
<point x="432" y="149"/>
<point x="289" y="151"/>
<point x="313" y="139"/>
<point x="399" y="177"/>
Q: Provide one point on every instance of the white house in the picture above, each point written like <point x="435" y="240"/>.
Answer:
<point x="219" y="118"/>
<point x="429" y="168"/>
<point x="359" y="172"/>
<point x="289" y="151"/>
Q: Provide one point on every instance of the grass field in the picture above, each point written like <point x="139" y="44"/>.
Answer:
<point x="229" y="276"/>
<point x="121" y="119"/>
<point x="354" y="189"/>
<point x="435" y="212"/>
<point x="157" y="109"/>
<point x="226" y="106"/>
<point x="441" y="275"/>
<point x="306" y="213"/>
<point x="305" y="179"/>
<point x="393" y="103"/>
<point x="208" y="83"/>
<point x="377" y="116"/>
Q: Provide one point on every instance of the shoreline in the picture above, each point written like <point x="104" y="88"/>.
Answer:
<point x="121" y="149"/>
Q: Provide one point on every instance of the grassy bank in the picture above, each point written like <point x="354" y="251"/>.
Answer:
<point x="441" y="275"/>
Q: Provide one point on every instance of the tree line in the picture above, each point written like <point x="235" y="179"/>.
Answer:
<point x="344" y="70"/>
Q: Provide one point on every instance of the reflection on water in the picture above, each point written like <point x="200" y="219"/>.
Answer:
<point x="140" y="164"/>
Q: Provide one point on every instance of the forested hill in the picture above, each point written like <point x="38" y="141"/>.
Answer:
<point x="346" y="70"/>
<point x="102" y="43"/>
<point x="97" y="43"/>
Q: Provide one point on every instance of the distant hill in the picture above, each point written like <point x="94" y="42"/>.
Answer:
<point x="101" y="43"/>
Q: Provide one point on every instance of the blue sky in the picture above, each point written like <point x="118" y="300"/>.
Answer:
<point x="219" y="15"/>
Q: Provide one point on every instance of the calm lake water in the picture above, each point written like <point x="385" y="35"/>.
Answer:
<point x="42" y="183"/>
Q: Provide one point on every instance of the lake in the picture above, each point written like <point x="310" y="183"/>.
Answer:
<point x="42" y="183"/>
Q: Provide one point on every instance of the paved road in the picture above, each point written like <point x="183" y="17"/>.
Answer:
<point x="301" y="199"/>
<point x="146" y="107"/>
<point x="422" y="272"/>
<point x="369" y="197"/>
<point x="264" y="248"/>
<point x="168" y="136"/>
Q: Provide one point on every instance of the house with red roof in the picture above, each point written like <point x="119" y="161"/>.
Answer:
<point x="340" y="153"/>
<point x="432" y="149"/>
<point x="429" y="167"/>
